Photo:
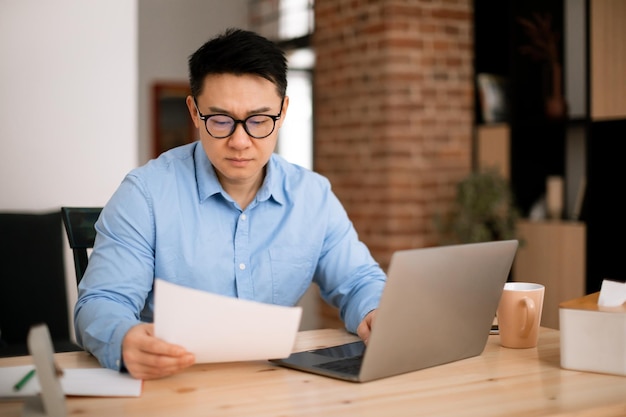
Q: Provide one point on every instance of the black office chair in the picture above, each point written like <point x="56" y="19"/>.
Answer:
<point x="32" y="281"/>
<point x="79" y="226"/>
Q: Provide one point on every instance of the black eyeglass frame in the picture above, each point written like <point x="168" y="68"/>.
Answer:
<point x="205" y="118"/>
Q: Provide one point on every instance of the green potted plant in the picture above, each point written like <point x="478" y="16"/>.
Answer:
<point x="483" y="210"/>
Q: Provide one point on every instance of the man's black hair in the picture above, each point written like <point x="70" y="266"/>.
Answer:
<point x="238" y="52"/>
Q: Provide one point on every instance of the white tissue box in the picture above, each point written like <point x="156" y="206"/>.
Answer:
<point x="593" y="337"/>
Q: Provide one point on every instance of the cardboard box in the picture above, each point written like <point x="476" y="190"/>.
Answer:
<point x="593" y="337"/>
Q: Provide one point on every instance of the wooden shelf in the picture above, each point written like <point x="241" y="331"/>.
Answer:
<point x="493" y="148"/>
<point x="552" y="253"/>
<point x="608" y="59"/>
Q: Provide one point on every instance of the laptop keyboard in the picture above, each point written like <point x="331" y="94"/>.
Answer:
<point x="347" y="350"/>
<point x="350" y="365"/>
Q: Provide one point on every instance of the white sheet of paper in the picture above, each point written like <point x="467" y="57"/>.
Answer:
<point x="98" y="382"/>
<point x="612" y="293"/>
<point x="216" y="328"/>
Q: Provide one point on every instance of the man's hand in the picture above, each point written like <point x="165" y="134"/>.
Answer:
<point x="365" y="327"/>
<point x="147" y="357"/>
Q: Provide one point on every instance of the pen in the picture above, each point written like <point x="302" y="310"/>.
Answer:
<point x="24" y="380"/>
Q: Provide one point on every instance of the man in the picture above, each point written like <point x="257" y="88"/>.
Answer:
<point x="223" y="214"/>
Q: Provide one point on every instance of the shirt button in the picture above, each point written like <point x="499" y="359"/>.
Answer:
<point x="117" y="363"/>
<point x="242" y="266"/>
<point x="244" y="217"/>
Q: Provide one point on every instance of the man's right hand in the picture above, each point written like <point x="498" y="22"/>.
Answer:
<point x="147" y="357"/>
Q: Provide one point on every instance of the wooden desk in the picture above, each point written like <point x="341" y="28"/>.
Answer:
<point x="500" y="382"/>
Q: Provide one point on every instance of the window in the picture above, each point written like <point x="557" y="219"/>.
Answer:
<point x="290" y="24"/>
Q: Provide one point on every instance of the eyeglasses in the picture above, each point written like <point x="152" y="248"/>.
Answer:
<point x="221" y="126"/>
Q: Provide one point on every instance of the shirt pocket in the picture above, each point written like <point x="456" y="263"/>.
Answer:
<point x="292" y="272"/>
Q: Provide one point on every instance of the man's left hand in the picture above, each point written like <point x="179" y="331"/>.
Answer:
<point x="365" y="328"/>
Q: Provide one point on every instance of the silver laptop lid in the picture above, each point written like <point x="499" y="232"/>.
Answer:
<point x="437" y="307"/>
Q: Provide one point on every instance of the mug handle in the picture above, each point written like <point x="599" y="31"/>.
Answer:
<point x="529" y="318"/>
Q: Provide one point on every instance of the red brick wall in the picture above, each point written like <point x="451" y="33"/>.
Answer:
<point x="393" y="90"/>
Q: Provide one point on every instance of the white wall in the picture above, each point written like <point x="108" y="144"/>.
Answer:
<point x="68" y="101"/>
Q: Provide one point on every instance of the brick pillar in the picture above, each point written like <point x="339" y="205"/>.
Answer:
<point x="393" y="113"/>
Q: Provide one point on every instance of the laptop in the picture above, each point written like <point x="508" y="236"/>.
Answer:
<point x="437" y="307"/>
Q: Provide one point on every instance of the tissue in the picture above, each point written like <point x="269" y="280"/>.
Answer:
<point x="612" y="293"/>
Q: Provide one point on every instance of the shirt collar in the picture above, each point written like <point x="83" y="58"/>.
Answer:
<point x="272" y="185"/>
<point x="209" y="185"/>
<point x="206" y="178"/>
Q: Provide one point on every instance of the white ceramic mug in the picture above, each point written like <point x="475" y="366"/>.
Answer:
<point x="519" y="314"/>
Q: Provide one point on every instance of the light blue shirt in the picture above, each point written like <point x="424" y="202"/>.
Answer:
<point x="172" y="219"/>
